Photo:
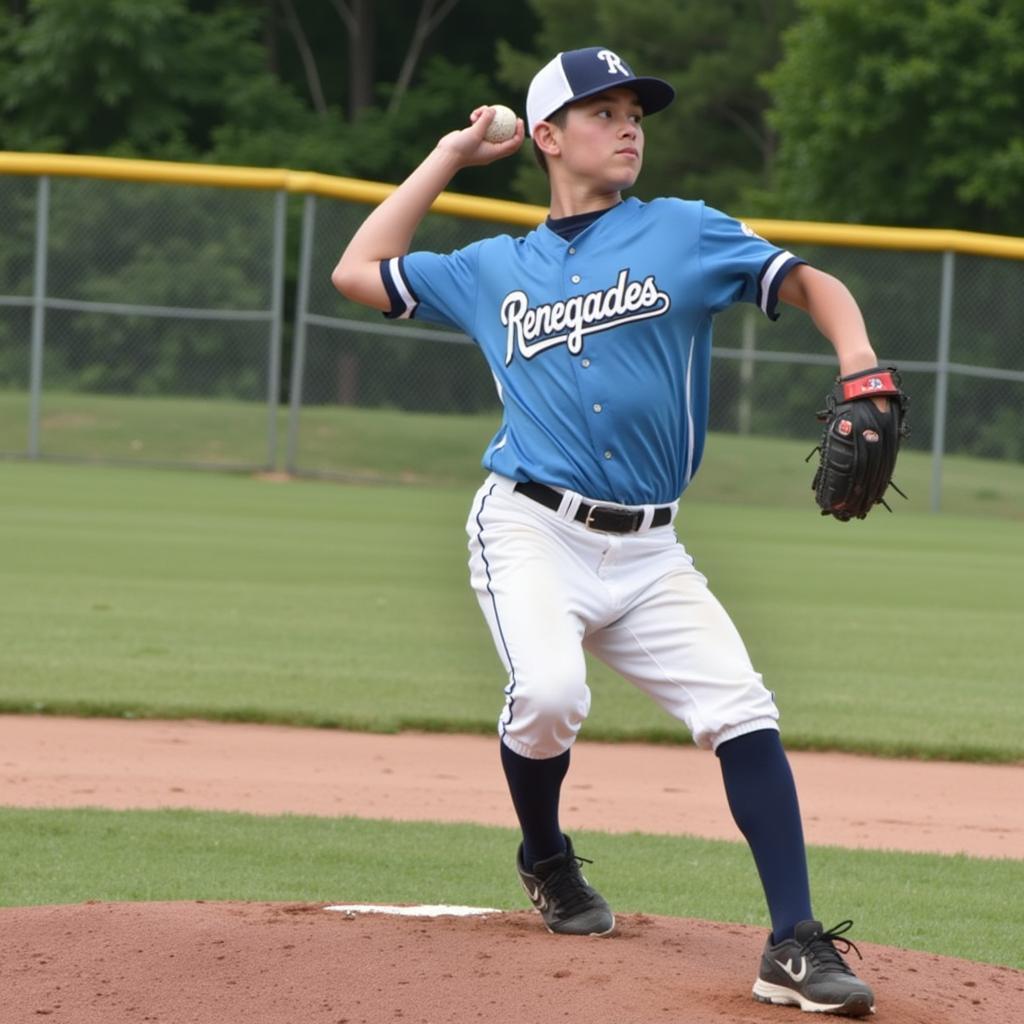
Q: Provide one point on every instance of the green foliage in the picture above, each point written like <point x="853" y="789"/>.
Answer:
<point x="903" y="113"/>
<point x="893" y="113"/>
<point x="191" y="80"/>
<point x="144" y="79"/>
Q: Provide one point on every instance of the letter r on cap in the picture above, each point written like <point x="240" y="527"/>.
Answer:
<point x="614" y="62"/>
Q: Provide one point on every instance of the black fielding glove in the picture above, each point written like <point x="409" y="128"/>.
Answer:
<point x="860" y="443"/>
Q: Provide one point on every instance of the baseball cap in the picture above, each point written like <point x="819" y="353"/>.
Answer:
<point x="576" y="74"/>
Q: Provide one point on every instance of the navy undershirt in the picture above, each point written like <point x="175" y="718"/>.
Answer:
<point x="569" y="227"/>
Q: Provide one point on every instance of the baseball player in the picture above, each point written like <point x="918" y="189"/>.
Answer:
<point x="597" y="329"/>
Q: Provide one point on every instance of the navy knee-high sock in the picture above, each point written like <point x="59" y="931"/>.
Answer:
<point x="535" y="786"/>
<point x="762" y="797"/>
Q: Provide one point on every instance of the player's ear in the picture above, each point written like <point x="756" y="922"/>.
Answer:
<point x="546" y="137"/>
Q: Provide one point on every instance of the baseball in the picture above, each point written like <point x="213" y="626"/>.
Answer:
<point x="503" y="127"/>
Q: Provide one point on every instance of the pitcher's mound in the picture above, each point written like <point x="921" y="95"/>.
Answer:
<point x="264" y="963"/>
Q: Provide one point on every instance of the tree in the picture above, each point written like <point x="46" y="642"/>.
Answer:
<point x="305" y="51"/>
<point x="360" y="23"/>
<point x="432" y="13"/>
<point x="308" y="84"/>
<point x="905" y="113"/>
<point x="360" y="19"/>
<point x="146" y="79"/>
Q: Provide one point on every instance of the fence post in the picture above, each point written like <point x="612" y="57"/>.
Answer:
<point x="35" y="384"/>
<point x="276" y="324"/>
<point x="942" y="378"/>
<point x="299" y="335"/>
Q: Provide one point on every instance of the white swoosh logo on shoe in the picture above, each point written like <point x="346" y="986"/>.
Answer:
<point x="797" y="976"/>
<point x="537" y="897"/>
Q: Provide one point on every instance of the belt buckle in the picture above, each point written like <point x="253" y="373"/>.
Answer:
<point x="626" y="515"/>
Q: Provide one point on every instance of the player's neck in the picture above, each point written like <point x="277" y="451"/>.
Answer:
<point x="572" y="199"/>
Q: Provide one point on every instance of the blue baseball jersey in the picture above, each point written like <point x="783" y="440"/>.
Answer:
<point x="600" y="346"/>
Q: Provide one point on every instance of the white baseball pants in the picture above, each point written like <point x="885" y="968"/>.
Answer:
<point x="550" y="588"/>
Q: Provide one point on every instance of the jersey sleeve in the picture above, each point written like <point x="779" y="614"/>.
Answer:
<point x="432" y="286"/>
<point x="739" y="265"/>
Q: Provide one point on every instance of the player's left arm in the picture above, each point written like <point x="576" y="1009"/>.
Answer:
<point x="835" y="313"/>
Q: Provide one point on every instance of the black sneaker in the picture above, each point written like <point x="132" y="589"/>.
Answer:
<point x="568" y="904"/>
<point x="808" y="971"/>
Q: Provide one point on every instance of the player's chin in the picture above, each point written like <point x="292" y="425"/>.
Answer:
<point x="623" y="181"/>
<point x="625" y="169"/>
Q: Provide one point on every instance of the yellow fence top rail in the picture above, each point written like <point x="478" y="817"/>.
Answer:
<point x="497" y="210"/>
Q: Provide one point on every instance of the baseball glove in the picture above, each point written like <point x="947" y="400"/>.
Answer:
<point x="859" y="443"/>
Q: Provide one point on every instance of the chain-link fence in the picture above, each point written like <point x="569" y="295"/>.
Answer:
<point x="112" y="292"/>
<point x="146" y="321"/>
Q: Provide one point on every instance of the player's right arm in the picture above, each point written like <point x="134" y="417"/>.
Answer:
<point x="389" y="229"/>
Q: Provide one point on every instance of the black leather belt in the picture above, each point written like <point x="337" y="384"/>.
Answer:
<point x="607" y="518"/>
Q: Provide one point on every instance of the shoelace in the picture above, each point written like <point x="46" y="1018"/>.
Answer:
<point x="822" y="951"/>
<point x="567" y="888"/>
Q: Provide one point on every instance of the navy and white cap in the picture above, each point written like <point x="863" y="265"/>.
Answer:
<point x="576" y="74"/>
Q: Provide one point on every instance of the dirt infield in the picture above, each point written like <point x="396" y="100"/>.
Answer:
<point x="252" y="963"/>
<point x="227" y="963"/>
<point x="261" y="769"/>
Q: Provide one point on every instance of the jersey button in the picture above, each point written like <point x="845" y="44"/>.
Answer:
<point x="597" y="407"/>
<point x="575" y="278"/>
<point x="572" y="250"/>
<point x="584" y="363"/>
<point x="608" y="455"/>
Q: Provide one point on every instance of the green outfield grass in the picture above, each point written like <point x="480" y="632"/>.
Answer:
<point x="52" y="857"/>
<point x="164" y="593"/>
<point x="395" y="446"/>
